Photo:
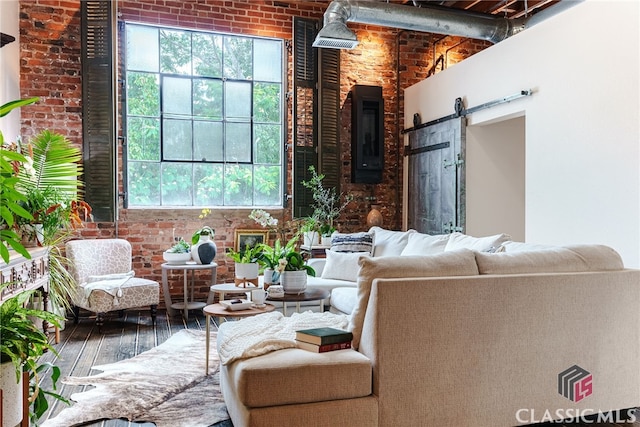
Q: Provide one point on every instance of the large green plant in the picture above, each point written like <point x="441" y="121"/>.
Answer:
<point x="10" y="194"/>
<point x="23" y="343"/>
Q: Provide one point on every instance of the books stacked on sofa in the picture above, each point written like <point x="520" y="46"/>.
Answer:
<point x="321" y="340"/>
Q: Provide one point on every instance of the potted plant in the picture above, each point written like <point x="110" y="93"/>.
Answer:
<point x="11" y="161"/>
<point x="310" y="230"/>
<point x="270" y="257"/>
<point x="179" y="253"/>
<point x="204" y="249"/>
<point x="246" y="263"/>
<point x="21" y="346"/>
<point x="293" y="271"/>
<point x="327" y="203"/>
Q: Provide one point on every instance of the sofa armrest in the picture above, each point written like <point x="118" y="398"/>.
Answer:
<point x="317" y="264"/>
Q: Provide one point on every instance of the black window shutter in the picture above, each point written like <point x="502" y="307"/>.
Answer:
<point x="316" y="112"/>
<point x="305" y="102"/>
<point x="98" y="112"/>
<point x="329" y="118"/>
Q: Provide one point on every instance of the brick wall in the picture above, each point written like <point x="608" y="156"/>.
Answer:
<point x="386" y="57"/>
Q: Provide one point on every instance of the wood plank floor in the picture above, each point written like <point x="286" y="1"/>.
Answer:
<point x="82" y="346"/>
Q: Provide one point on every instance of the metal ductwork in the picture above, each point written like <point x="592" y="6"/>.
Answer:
<point x="335" y="33"/>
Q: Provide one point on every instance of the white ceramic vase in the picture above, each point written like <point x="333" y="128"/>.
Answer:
<point x="204" y="251"/>
<point x="247" y="270"/>
<point x="294" y="282"/>
<point x="11" y="395"/>
<point x="311" y="238"/>
<point x="269" y="279"/>
<point x="176" y="258"/>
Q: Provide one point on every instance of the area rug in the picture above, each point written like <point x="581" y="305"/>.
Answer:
<point x="165" y="385"/>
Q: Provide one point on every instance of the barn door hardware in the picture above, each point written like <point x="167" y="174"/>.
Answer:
<point x="450" y="227"/>
<point x="446" y="163"/>
<point x="460" y="111"/>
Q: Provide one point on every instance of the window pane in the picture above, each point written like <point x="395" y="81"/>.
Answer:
<point x="266" y="102"/>
<point x="203" y="118"/>
<point x="143" y="94"/>
<point x="237" y="101"/>
<point x="207" y="141"/>
<point x="176" y="139"/>
<point x="238" y="185"/>
<point x="208" y="185"/>
<point x="143" y="183"/>
<point x="267" y="144"/>
<point x="237" y="142"/>
<point x="267" y="185"/>
<point x="237" y="58"/>
<point x="207" y="55"/>
<point x="176" y="184"/>
<point x="142" y="48"/>
<point x="143" y="142"/>
<point x="267" y="59"/>
<point x="207" y="98"/>
<point x="176" y="96"/>
<point x="175" y="52"/>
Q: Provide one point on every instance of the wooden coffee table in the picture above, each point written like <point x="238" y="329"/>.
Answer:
<point x="220" y="311"/>
<point x="308" y="295"/>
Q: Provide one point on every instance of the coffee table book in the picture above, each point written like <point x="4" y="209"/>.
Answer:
<point x="321" y="336"/>
<point x="323" y="348"/>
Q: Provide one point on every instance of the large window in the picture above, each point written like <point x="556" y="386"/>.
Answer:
<point x="204" y="118"/>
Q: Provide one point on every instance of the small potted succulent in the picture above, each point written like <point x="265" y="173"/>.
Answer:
<point x="179" y="253"/>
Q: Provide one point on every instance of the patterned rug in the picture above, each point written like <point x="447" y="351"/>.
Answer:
<point x="165" y="385"/>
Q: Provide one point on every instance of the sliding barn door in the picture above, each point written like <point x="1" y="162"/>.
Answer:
<point x="437" y="178"/>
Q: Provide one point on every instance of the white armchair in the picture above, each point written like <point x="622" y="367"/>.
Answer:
<point x="105" y="279"/>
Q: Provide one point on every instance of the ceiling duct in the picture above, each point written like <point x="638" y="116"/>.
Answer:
<point x="335" y="33"/>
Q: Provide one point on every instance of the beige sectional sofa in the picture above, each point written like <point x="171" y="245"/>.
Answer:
<point x="461" y="338"/>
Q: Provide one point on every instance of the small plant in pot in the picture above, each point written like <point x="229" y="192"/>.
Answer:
<point x="179" y="253"/>
<point x="293" y="271"/>
<point x="246" y="266"/>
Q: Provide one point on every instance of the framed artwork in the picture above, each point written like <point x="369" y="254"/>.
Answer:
<point x="250" y="237"/>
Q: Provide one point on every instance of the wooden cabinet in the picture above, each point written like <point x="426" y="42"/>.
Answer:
<point x="24" y="274"/>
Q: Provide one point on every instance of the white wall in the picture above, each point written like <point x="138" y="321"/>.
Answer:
<point x="10" y="67"/>
<point x="495" y="182"/>
<point x="582" y="156"/>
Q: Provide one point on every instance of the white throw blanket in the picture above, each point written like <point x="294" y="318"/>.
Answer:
<point x="268" y="332"/>
<point x="109" y="283"/>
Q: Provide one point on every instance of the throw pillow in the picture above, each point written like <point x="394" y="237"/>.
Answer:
<point x="388" y="242"/>
<point x="481" y="244"/>
<point x="425" y="244"/>
<point x="455" y="263"/>
<point x="352" y="242"/>
<point x="342" y="265"/>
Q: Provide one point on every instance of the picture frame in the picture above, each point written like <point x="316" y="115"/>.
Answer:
<point x="252" y="237"/>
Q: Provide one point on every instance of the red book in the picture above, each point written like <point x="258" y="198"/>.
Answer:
<point x="325" y="347"/>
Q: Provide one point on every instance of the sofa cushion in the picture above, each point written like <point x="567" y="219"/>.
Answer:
<point x="482" y="244"/>
<point x="342" y="265"/>
<point x="461" y="262"/>
<point x="388" y="242"/>
<point x="425" y="244"/>
<point x="343" y="300"/>
<point x="562" y="259"/>
<point x="352" y="242"/>
<point x="294" y="375"/>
